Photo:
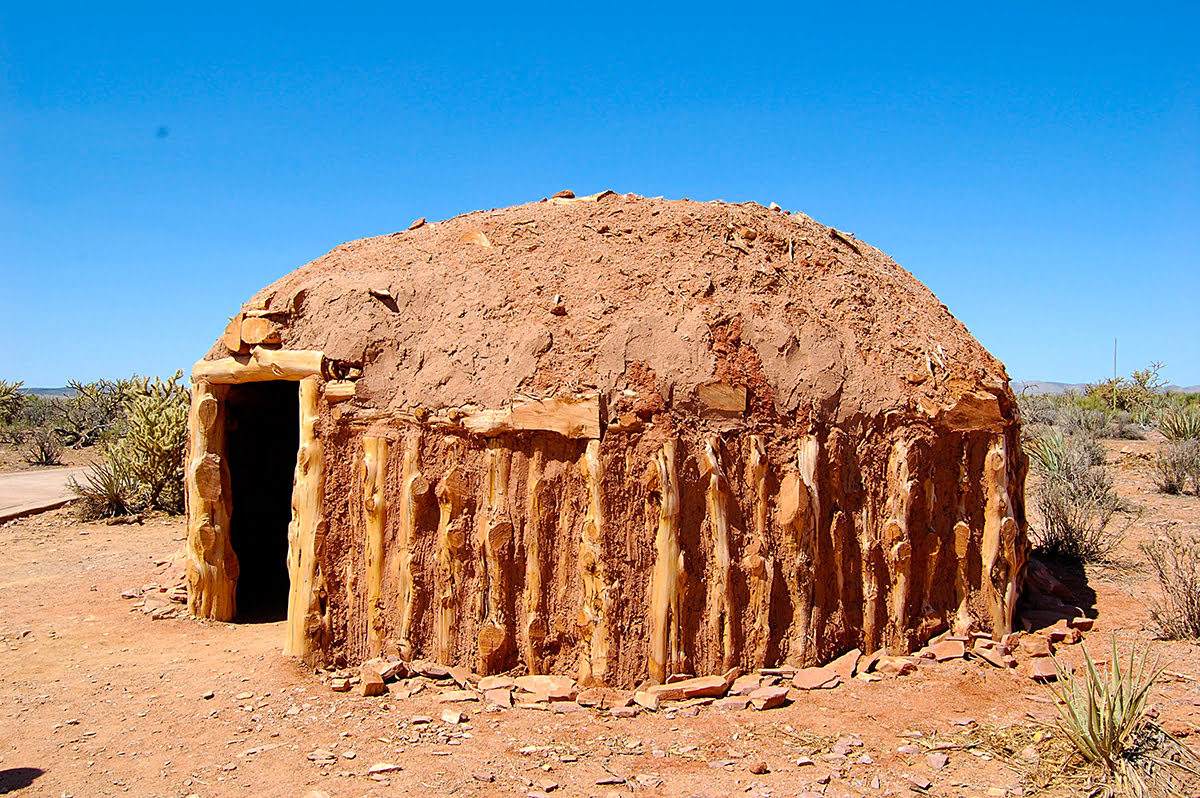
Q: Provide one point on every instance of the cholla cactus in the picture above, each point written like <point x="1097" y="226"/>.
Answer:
<point x="10" y="400"/>
<point x="155" y="441"/>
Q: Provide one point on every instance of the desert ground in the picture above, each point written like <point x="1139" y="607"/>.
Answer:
<point x="108" y="688"/>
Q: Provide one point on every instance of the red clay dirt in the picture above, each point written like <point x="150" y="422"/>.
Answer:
<point x="96" y="698"/>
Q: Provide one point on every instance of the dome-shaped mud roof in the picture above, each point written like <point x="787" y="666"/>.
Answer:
<point x="655" y="304"/>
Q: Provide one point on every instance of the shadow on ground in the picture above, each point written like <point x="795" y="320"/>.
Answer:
<point x="14" y="779"/>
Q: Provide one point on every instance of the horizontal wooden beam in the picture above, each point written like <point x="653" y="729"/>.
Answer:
<point x="260" y="365"/>
<point x="572" y="417"/>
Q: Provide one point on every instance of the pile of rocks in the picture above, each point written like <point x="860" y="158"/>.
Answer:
<point x="159" y="601"/>
<point x="766" y="688"/>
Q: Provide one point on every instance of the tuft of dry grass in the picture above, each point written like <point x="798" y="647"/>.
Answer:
<point x="1175" y="558"/>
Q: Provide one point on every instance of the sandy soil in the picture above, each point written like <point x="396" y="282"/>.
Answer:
<point x="11" y="459"/>
<point x="96" y="698"/>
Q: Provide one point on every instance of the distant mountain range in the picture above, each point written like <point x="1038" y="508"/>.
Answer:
<point x="1044" y="386"/>
<point x="50" y="391"/>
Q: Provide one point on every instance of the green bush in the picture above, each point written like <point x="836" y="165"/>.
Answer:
<point x="1139" y="390"/>
<point x="1105" y="718"/>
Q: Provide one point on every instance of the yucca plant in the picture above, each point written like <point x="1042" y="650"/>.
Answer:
<point x="108" y="490"/>
<point x="1047" y="450"/>
<point x="1182" y="424"/>
<point x="1105" y="720"/>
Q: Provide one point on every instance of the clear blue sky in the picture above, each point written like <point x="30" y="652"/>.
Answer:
<point x="1038" y="166"/>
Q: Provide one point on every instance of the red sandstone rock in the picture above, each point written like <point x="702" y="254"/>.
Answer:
<point x="1042" y="669"/>
<point x="845" y="665"/>
<point x="769" y="697"/>
<point x="951" y="648"/>
<point x="815" y="679"/>
<point x="734" y="702"/>
<point x="701" y="686"/>
<point x="1036" y="646"/>
<point x="372" y="683"/>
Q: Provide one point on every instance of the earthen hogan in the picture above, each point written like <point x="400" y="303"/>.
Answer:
<point x="609" y="437"/>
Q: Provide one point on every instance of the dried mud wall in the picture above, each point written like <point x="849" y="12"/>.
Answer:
<point x="664" y="549"/>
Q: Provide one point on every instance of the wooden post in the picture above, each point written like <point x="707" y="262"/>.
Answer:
<point x="496" y="535"/>
<point x="212" y="566"/>
<point x="535" y="629"/>
<point x="721" y="617"/>
<point x="413" y="490"/>
<point x="594" y="615"/>
<point x="374" y="483"/>
<point x="758" y="562"/>
<point x="307" y="630"/>
<point x="666" y="580"/>
<point x="452" y="544"/>
<point x="1003" y="560"/>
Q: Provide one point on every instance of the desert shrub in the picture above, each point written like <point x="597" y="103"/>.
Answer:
<point x="1176" y="561"/>
<point x="41" y="446"/>
<point x="1076" y="498"/>
<point x="108" y="490"/>
<point x="1177" y="463"/>
<point x="1179" y="424"/>
<point x="1105" y="718"/>
<point x="1041" y="408"/>
<point x="1139" y="390"/>
<point x="1124" y="425"/>
<point x="1092" y="422"/>
<point x="94" y="411"/>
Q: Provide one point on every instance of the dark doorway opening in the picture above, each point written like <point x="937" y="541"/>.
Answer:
<point x="262" y="435"/>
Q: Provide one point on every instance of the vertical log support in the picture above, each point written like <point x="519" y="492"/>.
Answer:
<point x="1003" y="560"/>
<point x="374" y="482"/>
<point x="759" y="565"/>
<point x="496" y="536"/>
<point x="593" y="664"/>
<point x="413" y="490"/>
<point x="964" y="621"/>
<point x="307" y="629"/>
<point x="535" y="629"/>
<point x="720" y="589"/>
<point x="451" y="561"/>
<point x="897" y="540"/>
<point x="798" y="513"/>
<point x="212" y="566"/>
<point x="666" y="580"/>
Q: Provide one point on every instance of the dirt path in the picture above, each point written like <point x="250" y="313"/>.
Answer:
<point x="97" y="698"/>
<point x="23" y="492"/>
